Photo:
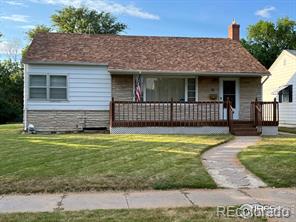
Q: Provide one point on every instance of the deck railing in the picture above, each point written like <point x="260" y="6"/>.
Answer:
<point x="265" y="113"/>
<point x="176" y="113"/>
<point x="170" y="113"/>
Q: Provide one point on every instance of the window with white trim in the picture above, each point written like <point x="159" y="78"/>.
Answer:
<point x="58" y="87"/>
<point x="48" y="87"/>
<point x="38" y="87"/>
<point x="191" y="90"/>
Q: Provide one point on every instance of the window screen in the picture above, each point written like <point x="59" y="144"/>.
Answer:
<point x="58" y="87"/>
<point x="45" y="87"/>
<point x="37" y="88"/>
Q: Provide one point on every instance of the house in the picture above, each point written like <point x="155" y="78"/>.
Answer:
<point x="144" y="84"/>
<point x="282" y="86"/>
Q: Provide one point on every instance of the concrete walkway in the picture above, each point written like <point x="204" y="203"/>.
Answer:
<point x="148" y="199"/>
<point x="223" y="165"/>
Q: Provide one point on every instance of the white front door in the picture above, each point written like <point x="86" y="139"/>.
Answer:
<point x="229" y="88"/>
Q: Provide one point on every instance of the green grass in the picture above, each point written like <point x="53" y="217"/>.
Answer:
<point x="273" y="159"/>
<point x="83" y="162"/>
<point x="287" y="129"/>
<point x="192" y="214"/>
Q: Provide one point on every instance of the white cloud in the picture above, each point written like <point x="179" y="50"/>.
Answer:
<point x="265" y="12"/>
<point x="11" y="48"/>
<point x="104" y="5"/>
<point x="27" y="26"/>
<point x="15" y="18"/>
<point x="15" y="3"/>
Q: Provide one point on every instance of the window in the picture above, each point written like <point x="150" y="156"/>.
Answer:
<point x="191" y="90"/>
<point x="48" y="87"/>
<point x="286" y="95"/>
<point x="38" y="89"/>
<point x="58" y="87"/>
<point x="165" y="89"/>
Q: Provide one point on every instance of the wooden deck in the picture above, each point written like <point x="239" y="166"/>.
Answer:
<point x="188" y="114"/>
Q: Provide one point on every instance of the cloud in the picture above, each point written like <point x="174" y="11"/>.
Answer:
<point x="15" y="18"/>
<point x="104" y="5"/>
<point x="265" y="12"/>
<point x="27" y="26"/>
<point x="15" y="3"/>
<point x="10" y="48"/>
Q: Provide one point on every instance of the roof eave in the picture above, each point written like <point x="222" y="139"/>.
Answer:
<point x="168" y="72"/>
<point x="31" y="62"/>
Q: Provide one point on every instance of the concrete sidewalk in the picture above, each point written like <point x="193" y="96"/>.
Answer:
<point x="225" y="168"/>
<point x="146" y="199"/>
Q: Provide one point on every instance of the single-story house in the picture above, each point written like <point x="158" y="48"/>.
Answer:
<point x="144" y="84"/>
<point x="282" y="86"/>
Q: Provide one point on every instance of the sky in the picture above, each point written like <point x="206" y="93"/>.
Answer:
<point x="189" y="18"/>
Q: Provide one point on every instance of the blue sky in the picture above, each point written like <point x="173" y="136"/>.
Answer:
<point x="147" y="17"/>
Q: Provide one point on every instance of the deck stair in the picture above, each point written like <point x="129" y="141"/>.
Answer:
<point x="244" y="128"/>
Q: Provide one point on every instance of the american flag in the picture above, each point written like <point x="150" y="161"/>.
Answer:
<point x="138" y="89"/>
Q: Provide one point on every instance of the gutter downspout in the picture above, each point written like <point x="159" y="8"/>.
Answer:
<point x="267" y="77"/>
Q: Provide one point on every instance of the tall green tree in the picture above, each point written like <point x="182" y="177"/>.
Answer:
<point x="38" y="29"/>
<point x="11" y="91"/>
<point x="83" y="20"/>
<point x="31" y="34"/>
<point x="266" y="40"/>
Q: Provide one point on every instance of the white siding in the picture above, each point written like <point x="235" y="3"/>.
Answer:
<point x="89" y="87"/>
<point x="283" y="72"/>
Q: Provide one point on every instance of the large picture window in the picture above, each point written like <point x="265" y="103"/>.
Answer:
<point x="48" y="87"/>
<point x="165" y="89"/>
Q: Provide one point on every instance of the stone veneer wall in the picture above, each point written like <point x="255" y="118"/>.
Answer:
<point x="122" y="87"/>
<point x="250" y="88"/>
<point x="66" y="120"/>
<point x="207" y="86"/>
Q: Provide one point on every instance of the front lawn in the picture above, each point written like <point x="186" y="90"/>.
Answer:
<point x="273" y="159"/>
<point x="192" y="214"/>
<point x="82" y="162"/>
<point x="287" y="130"/>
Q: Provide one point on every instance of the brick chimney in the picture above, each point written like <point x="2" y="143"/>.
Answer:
<point x="233" y="31"/>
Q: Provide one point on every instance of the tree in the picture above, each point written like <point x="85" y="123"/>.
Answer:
<point x="266" y="40"/>
<point x="83" y="20"/>
<point x="11" y="91"/>
<point x="38" y="29"/>
<point x="31" y="34"/>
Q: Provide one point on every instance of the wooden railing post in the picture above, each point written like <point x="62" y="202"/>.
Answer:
<point x="256" y="112"/>
<point x="274" y="112"/>
<point x="172" y="108"/>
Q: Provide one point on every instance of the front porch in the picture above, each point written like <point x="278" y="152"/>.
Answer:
<point x="198" y="117"/>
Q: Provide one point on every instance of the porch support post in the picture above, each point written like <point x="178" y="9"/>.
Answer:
<point x="255" y="111"/>
<point x="274" y="112"/>
<point x="111" y="112"/>
<point x="228" y="113"/>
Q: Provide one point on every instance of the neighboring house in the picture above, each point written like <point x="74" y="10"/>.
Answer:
<point x="282" y="86"/>
<point x="159" y="84"/>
